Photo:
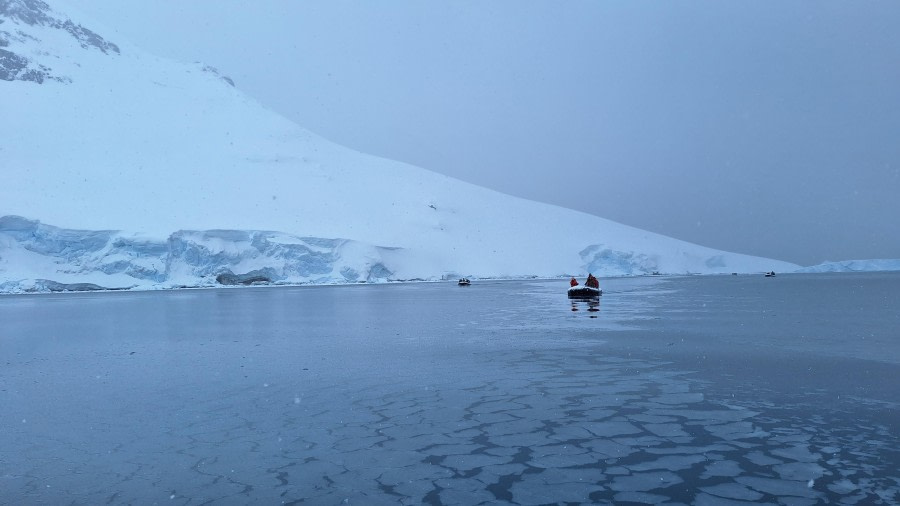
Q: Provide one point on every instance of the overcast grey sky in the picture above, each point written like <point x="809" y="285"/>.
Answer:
<point x="770" y="128"/>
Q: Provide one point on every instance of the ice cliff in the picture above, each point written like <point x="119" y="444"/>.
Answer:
<point x="36" y="257"/>
<point x="39" y="257"/>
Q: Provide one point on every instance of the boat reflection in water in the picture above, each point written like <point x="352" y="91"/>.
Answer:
<point x="589" y="304"/>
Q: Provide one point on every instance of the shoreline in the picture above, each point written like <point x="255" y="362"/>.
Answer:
<point x="167" y="288"/>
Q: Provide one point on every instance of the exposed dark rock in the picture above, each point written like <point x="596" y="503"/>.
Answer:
<point x="54" y="286"/>
<point x="16" y="68"/>
<point x="379" y="272"/>
<point x="37" y="12"/>
<point x="30" y="12"/>
<point x="257" y="277"/>
<point x="88" y="38"/>
<point x="18" y="36"/>
<point x="213" y="70"/>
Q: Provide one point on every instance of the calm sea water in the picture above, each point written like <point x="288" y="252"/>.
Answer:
<point x="694" y="390"/>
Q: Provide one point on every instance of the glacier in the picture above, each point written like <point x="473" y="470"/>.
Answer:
<point x="35" y="257"/>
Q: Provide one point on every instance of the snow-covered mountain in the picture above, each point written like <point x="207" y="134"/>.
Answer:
<point x="152" y="173"/>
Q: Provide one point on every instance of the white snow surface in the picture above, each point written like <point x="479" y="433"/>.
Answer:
<point x="144" y="172"/>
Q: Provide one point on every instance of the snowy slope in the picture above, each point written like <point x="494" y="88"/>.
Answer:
<point x="101" y="136"/>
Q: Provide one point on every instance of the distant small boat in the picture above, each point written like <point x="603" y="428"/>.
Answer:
<point x="464" y="282"/>
<point x="584" y="292"/>
<point x="770" y="274"/>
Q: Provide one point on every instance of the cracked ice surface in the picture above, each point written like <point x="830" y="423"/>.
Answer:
<point x="242" y="396"/>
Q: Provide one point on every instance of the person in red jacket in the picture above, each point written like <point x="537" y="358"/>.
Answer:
<point x="573" y="282"/>
<point x="592" y="282"/>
